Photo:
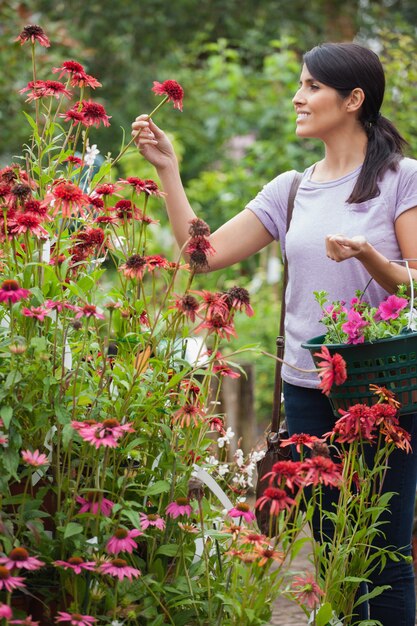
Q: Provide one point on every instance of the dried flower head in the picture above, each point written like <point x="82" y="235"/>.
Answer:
<point x="33" y="33"/>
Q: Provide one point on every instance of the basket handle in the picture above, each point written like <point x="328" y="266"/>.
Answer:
<point x="410" y="278"/>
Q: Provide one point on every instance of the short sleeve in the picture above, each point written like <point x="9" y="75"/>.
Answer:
<point x="407" y="187"/>
<point x="270" y="204"/>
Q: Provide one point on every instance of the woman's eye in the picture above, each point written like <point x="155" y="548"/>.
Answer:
<point x="315" y="87"/>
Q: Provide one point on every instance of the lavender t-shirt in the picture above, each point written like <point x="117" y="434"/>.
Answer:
<point x="320" y="209"/>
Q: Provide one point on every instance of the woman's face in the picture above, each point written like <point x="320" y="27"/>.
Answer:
<point x="320" y="110"/>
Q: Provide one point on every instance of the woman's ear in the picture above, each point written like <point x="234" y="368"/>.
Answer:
<point x="355" y="100"/>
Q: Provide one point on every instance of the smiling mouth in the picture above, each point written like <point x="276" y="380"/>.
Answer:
<point x="302" y="116"/>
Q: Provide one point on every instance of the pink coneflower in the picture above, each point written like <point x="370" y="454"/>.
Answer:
<point x="3" y="440"/>
<point x="242" y="509"/>
<point x="248" y="537"/>
<point x="151" y="519"/>
<point x="188" y="413"/>
<point x="75" y="619"/>
<point x="122" y="541"/>
<point x="55" y="305"/>
<point x="106" y="433"/>
<point x="36" y="459"/>
<point x="332" y="370"/>
<point x="33" y="33"/>
<point x="9" y="582"/>
<point x="321" y="470"/>
<point x="299" y="440"/>
<point x="187" y="305"/>
<point x="95" y="503"/>
<point x="306" y="590"/>
<point x="89" y="310"/>
<point x="119" y="569"/>
<point x="277" y="498"/>
<point x="19" y="558"/>
<point x="68" y="199"/>
<point x="27" y="621"/>
<point x="180" y="506"/>
<point x="5" y="611"/>
<point x="11" y="292"/>
<point x="238" y="298"/>
<point x="391" y="308"/>
<point x="45" y="89"/>
<point x="77" y="564"/>
<point x="38" y="312"/>
<point x="172" y="90"/>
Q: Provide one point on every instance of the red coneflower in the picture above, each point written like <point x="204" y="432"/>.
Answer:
<point x="74" y="160"/>
<point x="107" y="189"/>
<point x="134" y="267"/>
<point x="385" y="395"/>
<point x="36" y="207"/>
<point x="356" y="424"/>
<point x="199" y="244"/>
<point x="27" y="222"/>
<point x="67" y="197"/>
<point x="45" y="89"/>
<point x="172" y="90"/>
<point x="278" y="499"/>
<point x="94" y="114"/>
<point x="301" y="439"/>
<point x="10" y="291"/>
<point x="398" y="436"/>
<point x="186" y="304"/>
<point x="286" y="474"/>
<point x="219" y="326"/>
<point x="332" y="370"/>
<point x="188" y="413"/>
<point x="126" y="210"/>
<point x="78" y="76"/>
<point x="91" y="237"/>
<point x="198" y="228"/>
<point x="33" y="33"/>
<point x="214" y="303"/>
<point x="238" y="298"/>
<point x="155" y="261"/>
<point x="321" y="470"/>
<point x="306" y="590"/>
<point x="265" y="555"/>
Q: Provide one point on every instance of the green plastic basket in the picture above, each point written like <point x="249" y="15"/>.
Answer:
<point x="390" y="363"/>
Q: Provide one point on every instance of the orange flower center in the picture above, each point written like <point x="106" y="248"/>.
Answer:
<point x="18" y="554"/>
<point x="119" y="563"/>
<point x="242" y="506"/>
<point x="4" y="573"/>
<point x="182" y="501"/>
<point x="110" y="423"/>
<point x="75" y="560"/>
<point x="121" y="533"/>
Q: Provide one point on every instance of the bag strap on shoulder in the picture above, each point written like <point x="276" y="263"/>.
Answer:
<point x="276" y="409"/>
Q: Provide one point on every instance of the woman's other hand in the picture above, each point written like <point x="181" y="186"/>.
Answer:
<point x="153" y="143"/>
<point x="339" y="248"/>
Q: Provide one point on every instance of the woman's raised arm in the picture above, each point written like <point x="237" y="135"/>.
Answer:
<point x="237" y="239"/>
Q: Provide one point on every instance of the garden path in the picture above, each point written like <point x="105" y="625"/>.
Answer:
<point x="286" y="613"/>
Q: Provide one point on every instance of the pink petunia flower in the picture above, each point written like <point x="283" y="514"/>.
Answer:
<point x="354" y="327"/>
<point x="391" y="308"/>
<point x="9" y="582"/>
<point x="36" y="459"/>
<point x="242" y="509"/>
<point x="77" y="564"/>
<point x="122" y="541"/>
<point x="119" y="569"/>
<point x="180" y="506"/>
<point x="94" y="503"/>
<point x="19" y="558"/>
<point x="75" y="619"/>
<point x="11" y="292"/>
<point x="151" y="519"/>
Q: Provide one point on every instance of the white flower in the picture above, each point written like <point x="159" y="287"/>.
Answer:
<point x="228" y="436"/>
<point x="256" y="455"/>
<point x="90" y="154"/>
<point x="212" y="460"/>
<point x="223" y="469"/>
<point x="239" y="458"/>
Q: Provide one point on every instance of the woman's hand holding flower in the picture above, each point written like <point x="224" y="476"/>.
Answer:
<point x="153" y="143"/>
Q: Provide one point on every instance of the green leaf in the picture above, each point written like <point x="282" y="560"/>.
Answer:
<point x="71" y="529"/>
<point x="170" y="549"/>
<point x="324" y="614"/>
<point x="161" y="486"/>
<point x="6" y="413"/>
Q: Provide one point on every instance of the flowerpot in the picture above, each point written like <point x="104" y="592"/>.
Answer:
<point x="390" y="363"/>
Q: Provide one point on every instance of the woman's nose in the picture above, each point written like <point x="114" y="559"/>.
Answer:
<point x="298" y="97"/>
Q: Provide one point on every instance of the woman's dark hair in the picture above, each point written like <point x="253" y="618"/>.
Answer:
<point x="345" y="66"/>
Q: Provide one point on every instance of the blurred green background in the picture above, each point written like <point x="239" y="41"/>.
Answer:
<point x="239" y="63"/>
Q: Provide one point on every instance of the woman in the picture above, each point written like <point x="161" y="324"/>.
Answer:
<point x="365" y="192"/>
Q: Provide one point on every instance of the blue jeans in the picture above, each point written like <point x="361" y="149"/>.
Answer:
<point x="309" y="411"/>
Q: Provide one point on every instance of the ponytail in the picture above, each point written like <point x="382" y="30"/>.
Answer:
<point x="384" y="151"/>
<point x="345" y="66"/>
